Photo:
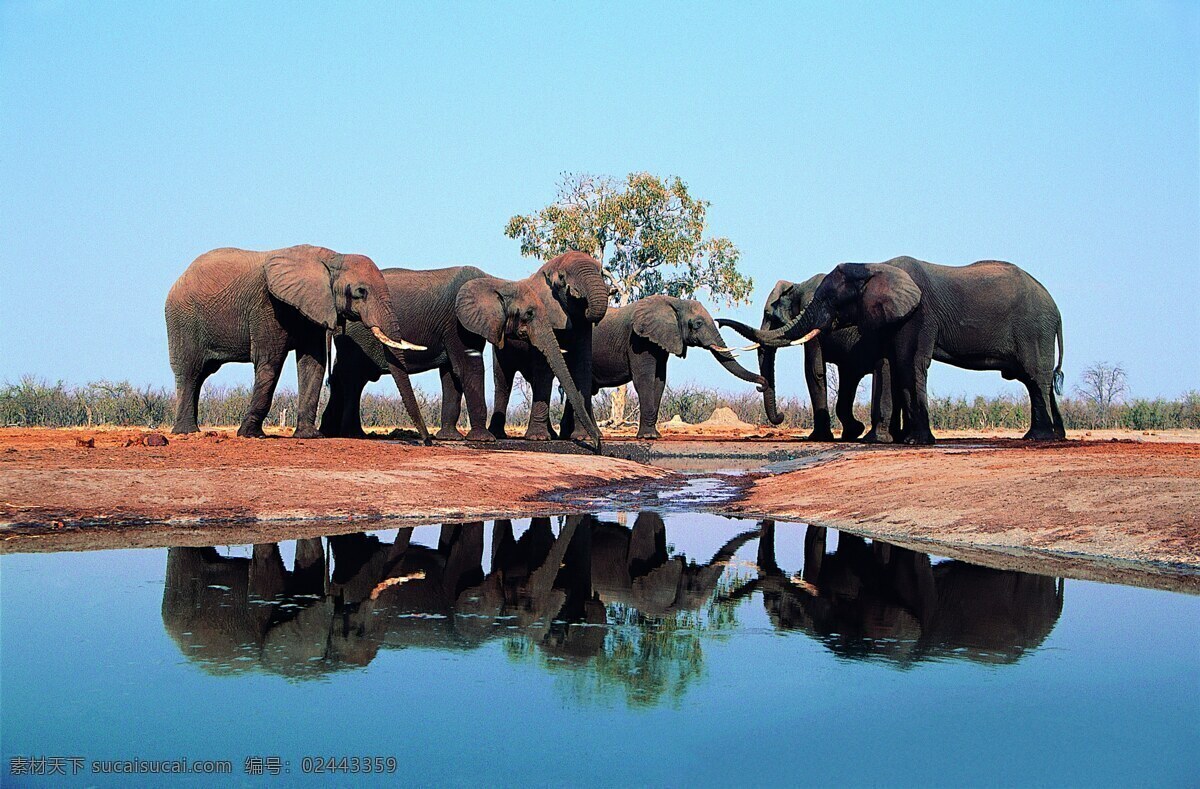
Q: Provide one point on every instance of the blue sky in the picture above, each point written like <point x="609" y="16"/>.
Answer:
<point x="1060" y="136"/>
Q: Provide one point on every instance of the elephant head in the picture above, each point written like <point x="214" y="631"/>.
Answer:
<point x="787" y="301"/>
<point x="873" y="296"/>
<point x="329" y="288"/>
<point x="677" y="324"/>
<point x="576" y="282"/>
<point x="497" y="310"/>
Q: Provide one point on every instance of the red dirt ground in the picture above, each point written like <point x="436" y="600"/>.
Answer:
<point x="47" y="477"/>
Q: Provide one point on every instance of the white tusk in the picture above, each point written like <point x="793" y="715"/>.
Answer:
<point x="403" y="345"/>
<point x="721" y="348"/>
<point x="474" y="353"/>
<point x="750" y="347"/>
<point x="806" y="337"/>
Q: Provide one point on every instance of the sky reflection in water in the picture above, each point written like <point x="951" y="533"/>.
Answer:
<point x="622" y="648"/>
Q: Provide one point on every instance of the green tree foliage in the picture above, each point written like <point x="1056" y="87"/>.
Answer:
<point x="647" y="232"/>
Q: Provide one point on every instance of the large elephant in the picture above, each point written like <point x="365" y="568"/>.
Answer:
<point x="573" y="281"/>
<point x="855" y="354"/>
<point x="234" y="305"/>
<point x="633" y="343"/>
<point x="430" y="319"/>
<point x="990" y="315"/>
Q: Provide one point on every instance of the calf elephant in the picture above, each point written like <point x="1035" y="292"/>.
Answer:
<point x="431" y="319"/>
<point x="574" y="284"/>
<point x="990" y="315"/>
<point x="634" y="342"/>
<point x="525" y="313"/>
<point x="855" y="354"/>
<point x="233" y="305"/>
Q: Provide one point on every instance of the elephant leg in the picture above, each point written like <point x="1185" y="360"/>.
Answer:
<point x="648" y="371"/>
<point x="539" y="411"/>
<point x="188" y="383"/>
<point x="818" y="395"/>
<point x="267" y="368"/>
<point x="310" y="370"/>
<point x="451" y="406"/>
<point x="1041" y="394"/>
<point x="567" y="426"/>
<point x="502" y="380"/>
<point x="765" y="558"/>
<point x="911" y="362"/>
<point x="847" y="388"/>
<point x="470" y="377"/>
<point x="1060" y="427"/>
<point x="331" y="417"/>
<point x="883" y="411"/>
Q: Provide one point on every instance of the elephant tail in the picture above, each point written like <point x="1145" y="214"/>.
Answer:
<point x="1058" y="373"/>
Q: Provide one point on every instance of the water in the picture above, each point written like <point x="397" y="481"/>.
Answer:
<point x="607" y="650"/>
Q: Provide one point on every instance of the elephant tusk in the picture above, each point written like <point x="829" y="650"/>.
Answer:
<point x="474" y="353"/>
<point x="721" y="349"/>
<point x="403" y="345"/>
<point x="806" y="337"/>
<point x="751" y="347"/>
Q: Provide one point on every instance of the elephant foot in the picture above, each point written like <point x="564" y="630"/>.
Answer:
<point x="251" y="431"/>
<point x="820" y="435"/>
<point x="479" y="434"/>
<point x="649" y="434"/>
<point x="1041" y="434"/>
<point x="448" y="433"/>
<point x="186" y="427"/>
<point x="579" y="434"/>
<point x="878" y="437"/>
<point x="307" y="431"/>
<point x="538" y="433"/>
<point x="852" y="430"/>
<point x="919" y="438"/>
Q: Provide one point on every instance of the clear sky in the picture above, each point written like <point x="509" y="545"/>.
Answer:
<point x="1060" y="136"/>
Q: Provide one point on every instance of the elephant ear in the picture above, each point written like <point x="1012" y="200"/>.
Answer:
<point x="480" y="309"/>
<point x="890" y="295"/>
<point x="655" y="319"/>
<point x="304" y="282"/>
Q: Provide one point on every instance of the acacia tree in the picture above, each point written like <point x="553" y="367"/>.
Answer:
<point x="647" y="233"/>
<point x="1103" y="384"/>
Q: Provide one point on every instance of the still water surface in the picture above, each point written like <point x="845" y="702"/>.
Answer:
<point x="616" y="649"/>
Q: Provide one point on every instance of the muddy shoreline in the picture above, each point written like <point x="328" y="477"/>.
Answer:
<point x="1112" y="511"/>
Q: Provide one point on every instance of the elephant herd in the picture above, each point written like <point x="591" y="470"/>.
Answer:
<point x="890" y="320"/>
<point x="569" y="594"/>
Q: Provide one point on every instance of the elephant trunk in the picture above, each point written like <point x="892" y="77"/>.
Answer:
<point x="712" y="341"/>
<point x="587" y="270"/>
<point x="544" y="340"/>
<point x="766" y="366"/>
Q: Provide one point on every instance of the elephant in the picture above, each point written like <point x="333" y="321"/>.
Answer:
<point x="431" y="320"/>
<point x="874" y="601"/>
<point x="634" y="342"/>
<point x="989" y="315"/>
<point x="520" y="317"/>
<point x="574" y="282"/>
<point x="855" y="354"/>
<point x="235" y="305"/>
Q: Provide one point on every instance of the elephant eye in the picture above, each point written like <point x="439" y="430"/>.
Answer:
<point x="359" y="292"/>
<point x="529" y="314"/>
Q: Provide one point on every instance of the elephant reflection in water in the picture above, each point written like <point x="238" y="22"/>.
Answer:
<point x="550" y="591"/>
<point x="877" y="601"/>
